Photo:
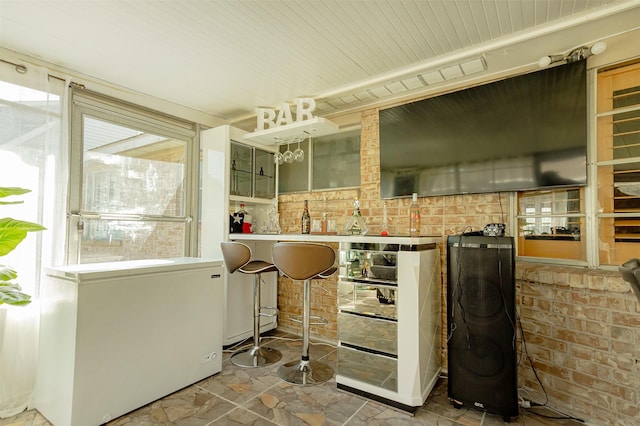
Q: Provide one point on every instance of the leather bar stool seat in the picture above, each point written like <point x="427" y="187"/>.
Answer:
<point x="304" y="262"/>
<point x="237" y="257"/>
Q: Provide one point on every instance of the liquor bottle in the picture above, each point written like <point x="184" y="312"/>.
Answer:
<point x="274" y="218"/>
<point x="414" y="217"/>
<point x="356" y="224"/>
<point x="385" y="221"/>
<point x="323" y="222"/>
<point x="246" y="219"/>
<point x="306" y="218"/>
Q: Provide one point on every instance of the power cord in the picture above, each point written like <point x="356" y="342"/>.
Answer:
<point x="562" y="416"/>
<point x="249" y="342"/>
<point x="531" y="405"/>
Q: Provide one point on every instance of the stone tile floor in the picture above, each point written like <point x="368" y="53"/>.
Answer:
<point x="257" y="396"/>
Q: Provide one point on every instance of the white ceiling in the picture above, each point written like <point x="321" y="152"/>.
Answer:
<point x="227" y="57"/>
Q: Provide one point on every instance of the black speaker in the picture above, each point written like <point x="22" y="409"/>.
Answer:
<point x="481" y="324"/>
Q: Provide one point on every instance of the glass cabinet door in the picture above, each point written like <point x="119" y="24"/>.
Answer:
<point x="241" y="170"/>
<point x="265" y="174"/>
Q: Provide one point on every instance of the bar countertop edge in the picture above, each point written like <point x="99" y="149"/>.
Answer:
<point x="333" y="238"/>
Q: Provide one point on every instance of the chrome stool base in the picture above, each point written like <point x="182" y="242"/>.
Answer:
<point x="256" y="357"/>
<point x="305" y="372"/>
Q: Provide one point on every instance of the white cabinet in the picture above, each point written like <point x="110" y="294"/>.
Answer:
<point x="234" y="171"/>
<point x="389" y="321"/>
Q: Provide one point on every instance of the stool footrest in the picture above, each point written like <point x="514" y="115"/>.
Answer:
<point x="313" y="320"/>
<point x="301" y="372"/>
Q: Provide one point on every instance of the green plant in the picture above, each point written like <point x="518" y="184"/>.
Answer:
<point x="12" y="232"/>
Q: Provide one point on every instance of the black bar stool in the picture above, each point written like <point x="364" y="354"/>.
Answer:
<point x="237" y="257"/>
<point x="304" y="262"/>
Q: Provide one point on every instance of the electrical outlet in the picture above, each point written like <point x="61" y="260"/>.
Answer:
<point x="208" y="357"/>
<point x="525" y="404"/>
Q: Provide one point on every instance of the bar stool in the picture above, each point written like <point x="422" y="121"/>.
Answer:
<point x="237" y="257"/>
<point x="304" y="262"/>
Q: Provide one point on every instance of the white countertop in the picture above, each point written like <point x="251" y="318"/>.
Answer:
<point x="333" y="238"/>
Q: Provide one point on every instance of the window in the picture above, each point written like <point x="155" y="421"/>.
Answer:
<point x="334" y="161"/>
<point x="618" y="164"/>
<point x="33" y="155"/>
<point x="551" y="224"/>
<point x="132" y="175"/>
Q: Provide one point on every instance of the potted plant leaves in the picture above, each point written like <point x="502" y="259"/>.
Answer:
<point x="12" y="232"/>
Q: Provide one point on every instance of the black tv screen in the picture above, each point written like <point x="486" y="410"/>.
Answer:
<point x="525" y="132"/>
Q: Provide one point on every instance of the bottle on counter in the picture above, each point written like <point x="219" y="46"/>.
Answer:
<point x="323" y="223"/>
<point x="414" y="217"/>
<point x="274" y="218"/>
<point x="306" y="218"/>
<point x="356" y="224"/>
<point x="385" y="221"/>
<point x="246" y="219"/>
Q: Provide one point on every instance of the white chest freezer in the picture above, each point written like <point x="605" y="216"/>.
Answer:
<point x="116" y="336"/>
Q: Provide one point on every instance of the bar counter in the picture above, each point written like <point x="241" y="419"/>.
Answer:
<point x="388" y="320"/>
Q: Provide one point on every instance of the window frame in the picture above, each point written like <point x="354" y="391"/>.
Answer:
<point x="593" y="191"/>
<point x="609" y="252"/>
<point x="102" y="107"/>
<point x="549" y="244"/>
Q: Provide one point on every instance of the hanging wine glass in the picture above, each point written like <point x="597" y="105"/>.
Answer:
<point x="288" y="155"/>
<point x="298" y="154"/>
<point x="278" y="158"/>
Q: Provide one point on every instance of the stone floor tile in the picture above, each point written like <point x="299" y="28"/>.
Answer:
<point x="374" y="414"/>
<point x="289" y="404"/>
<point x="257" y="396"/>
<point x="191" y="406"/>
<point x="240" y="416"/>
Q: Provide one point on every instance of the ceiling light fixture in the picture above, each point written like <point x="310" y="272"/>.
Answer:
<point x="449" y="73"/>
<point x="576" y="54"/>
<point x="471" y="66"/>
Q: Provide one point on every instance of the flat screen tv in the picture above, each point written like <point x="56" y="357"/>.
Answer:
<point x="525" y="132"/>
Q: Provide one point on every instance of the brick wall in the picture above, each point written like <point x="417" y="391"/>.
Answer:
<point x="582" y="332"/>
<point x="581" y="327"/>
<point x="338" y="205"/>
